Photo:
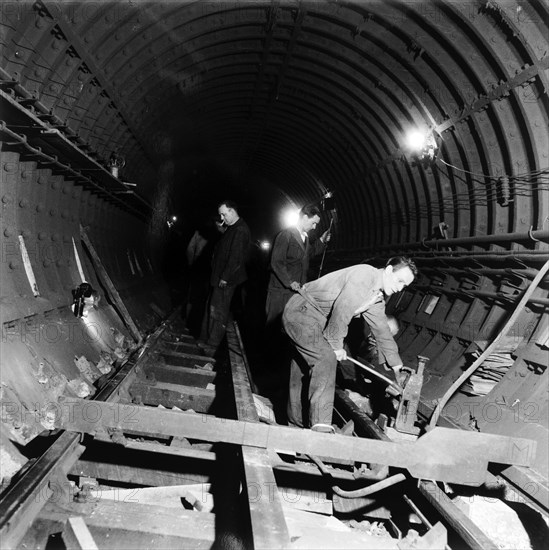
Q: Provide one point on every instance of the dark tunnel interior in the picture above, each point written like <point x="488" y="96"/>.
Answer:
<point x="418" y="127"/>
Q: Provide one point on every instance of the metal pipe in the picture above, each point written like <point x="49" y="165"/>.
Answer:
<point x="525" y="273"/>
<point x="538" y="235"/>
<point x="371" y="489"/>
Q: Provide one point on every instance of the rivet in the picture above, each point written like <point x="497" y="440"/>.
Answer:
<point x="59" y="263"/>
<point x="25" y="234"/>
<point x="56" y="45"/>
<point x="42" y="180"/>
<point x="55" y="237"/>
<point x="40" y="207"/>
<point x="46" y="263"/>
<point x="6" y="199"/>
<point x="55" y="184"/>
<point x="23" y="203"/>
<point x="66" y="189"/>
<point x="14" y="264"/>
<point x="65" y="214"/>
<point x="39" y="23"/>
<point x="42" y="236"/>
<point x="53" y="212"/>
<point x="8" y="232"/>
<point x="9" y="167"/>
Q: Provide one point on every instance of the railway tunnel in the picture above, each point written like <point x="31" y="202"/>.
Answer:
<point x="419" y="128"/>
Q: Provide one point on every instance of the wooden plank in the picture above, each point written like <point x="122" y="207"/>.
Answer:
<point x="169" y="496"/>
<point x="181" y="375"/>
<point x="187" y="452"/>
<point x="77" y="536"/>
<point x="190" y="346"/>
<point x="310" y="530"/>
<point x="135" y="475"/>
<point x="144" y="520"/>
<point x="442" y="454"/>
<point x="171" y="355"/>
<point x="269" y="528"/>
<point x="308" y="501"/>
<point x="107" y="281"/>
<point x="173" y="395"/>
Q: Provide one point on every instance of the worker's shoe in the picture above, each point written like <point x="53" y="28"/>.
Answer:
<point x="324" y="428"/>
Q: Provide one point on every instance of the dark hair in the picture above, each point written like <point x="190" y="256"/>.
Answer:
<point x="229" y="204"/>
<point x="399" y="262"/>
<point x="310" y="211"/>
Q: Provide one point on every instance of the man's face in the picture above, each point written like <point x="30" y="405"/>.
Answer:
<point x="395" y="281"/>
<point x="228" y="215"/>
<point x="308" y="224"/>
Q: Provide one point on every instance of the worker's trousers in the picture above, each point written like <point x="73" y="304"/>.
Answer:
<point x="219" y="305"/>
<point x="313" y="368"/>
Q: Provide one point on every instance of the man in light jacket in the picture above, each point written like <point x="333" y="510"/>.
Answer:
<point x="317" y="322"/>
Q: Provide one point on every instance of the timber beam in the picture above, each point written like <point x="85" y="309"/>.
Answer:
<point x="173" y="395"/>
<point x="181" y="375"/>
<point x="442" y="454"/>
<point x="128" y="522"/>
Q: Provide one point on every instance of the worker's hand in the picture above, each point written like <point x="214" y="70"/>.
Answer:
<point x="326" y="236"/>
<point x="341" y="354"/>
<point x="295" y="286"/>
<point x="222" y="283"/>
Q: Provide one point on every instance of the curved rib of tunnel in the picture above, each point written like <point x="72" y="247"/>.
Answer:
<point x="276" y="105"/>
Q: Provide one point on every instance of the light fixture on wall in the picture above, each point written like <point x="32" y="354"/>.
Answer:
<point x="116" y="162"/>
<point x="422" y="145"/>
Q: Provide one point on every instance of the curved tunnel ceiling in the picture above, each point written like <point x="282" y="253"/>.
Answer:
<point x="273" y="102"/>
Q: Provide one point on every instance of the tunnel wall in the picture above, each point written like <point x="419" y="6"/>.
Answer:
<point x="46" y="350"/>
<point x="316" y="95"/>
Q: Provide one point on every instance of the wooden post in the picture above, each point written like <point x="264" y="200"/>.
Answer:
<point x="107" y="281"/>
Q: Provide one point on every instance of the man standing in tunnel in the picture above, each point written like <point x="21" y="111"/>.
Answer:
<point x="228" y="272"/>
<point x="289" y="265"/>
<point x="317" y="321"/>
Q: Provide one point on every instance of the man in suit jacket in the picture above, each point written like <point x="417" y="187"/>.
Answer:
<point x="317" y="322"/>
<point x="290" y="263"/>
<point x="228" y="271"/>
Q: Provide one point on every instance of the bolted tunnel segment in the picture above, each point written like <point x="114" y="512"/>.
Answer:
<point x="418" y="128"/>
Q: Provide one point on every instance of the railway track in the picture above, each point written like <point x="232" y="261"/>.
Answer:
<point x="175" y="451"/>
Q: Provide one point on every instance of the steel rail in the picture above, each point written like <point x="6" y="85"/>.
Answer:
<point x="456" y="518"/>
<point x="22" y="501"/>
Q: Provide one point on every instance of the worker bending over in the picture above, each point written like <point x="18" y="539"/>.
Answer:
<point x="317" y="320"/>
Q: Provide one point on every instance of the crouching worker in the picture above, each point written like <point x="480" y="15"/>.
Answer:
<point x="317" y="320"/>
